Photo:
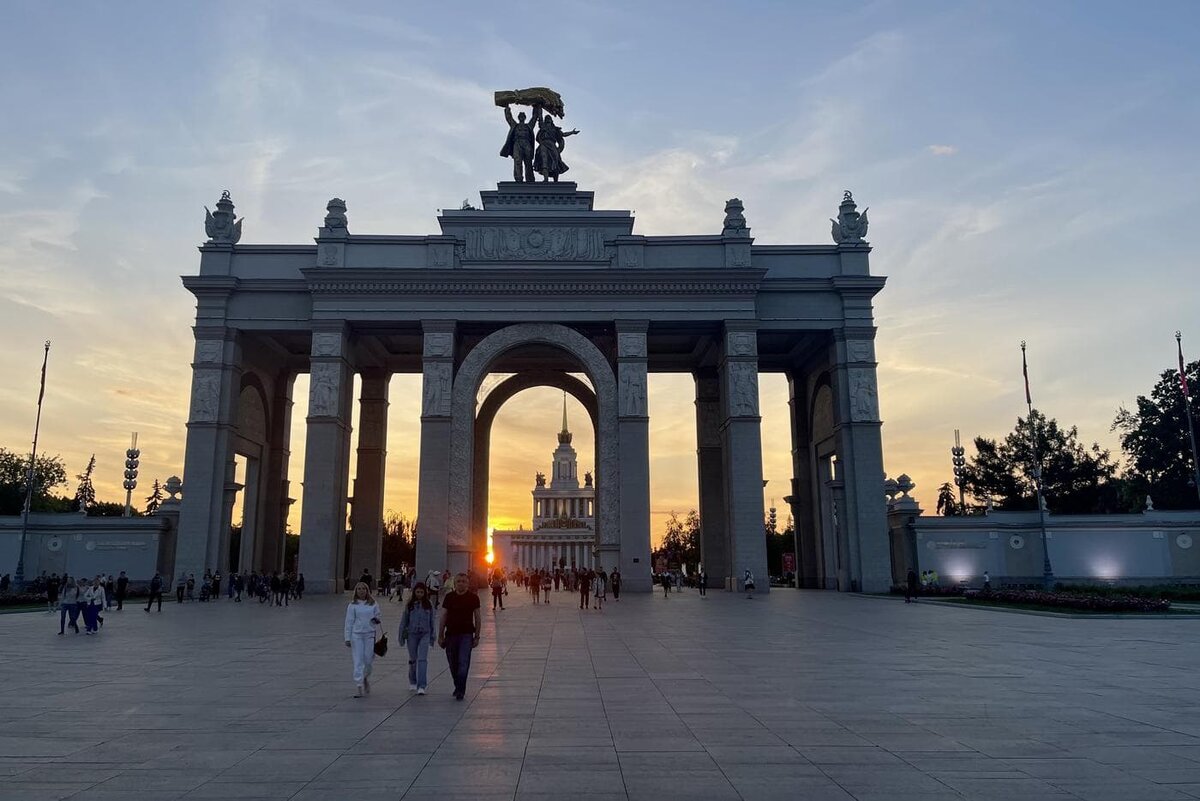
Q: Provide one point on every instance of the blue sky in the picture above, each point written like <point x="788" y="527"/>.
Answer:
<point x="1031" y="170"/>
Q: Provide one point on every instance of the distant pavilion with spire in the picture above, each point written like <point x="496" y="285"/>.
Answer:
<point x="563" y="533"/>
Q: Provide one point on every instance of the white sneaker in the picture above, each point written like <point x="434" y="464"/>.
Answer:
<point x="421" y="691"/>
<point x="412" y="687"/>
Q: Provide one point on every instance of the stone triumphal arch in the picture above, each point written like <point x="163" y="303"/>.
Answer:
<point x="538" y="284"/>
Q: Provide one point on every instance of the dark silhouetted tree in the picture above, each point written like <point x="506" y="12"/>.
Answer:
<point x="1154" y="437"/>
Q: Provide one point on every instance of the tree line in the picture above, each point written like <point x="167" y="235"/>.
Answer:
<point x="1088" y="479"/>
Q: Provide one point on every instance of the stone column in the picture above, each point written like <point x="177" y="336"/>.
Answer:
<point x="633" y="432"/>
<point x="802" y="502"/>
<point x="218" y="547"/>
<point x="326" y="461"/>
<point x="366" y="540"/>
<point x="433" y="539"/>
<point x="742" y="440"/>
<point x="710" y="464"/>
<point x="251" y="509"/>
<point x="216" y="378"/>
<point x="276" y="502"/>
<point x="863" y="514"/>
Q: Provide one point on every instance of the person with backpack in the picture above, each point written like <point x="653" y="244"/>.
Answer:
<point x="748" y="583"/>
<point x="156" y="588"/>
<point x="547" y="583"/>
<point x="418" y="625"/>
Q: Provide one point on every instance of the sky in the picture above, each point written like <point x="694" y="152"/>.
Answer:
<point x="1030" y="168"/>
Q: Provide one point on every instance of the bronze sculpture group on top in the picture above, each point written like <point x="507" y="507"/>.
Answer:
<point x="533" y="151"/>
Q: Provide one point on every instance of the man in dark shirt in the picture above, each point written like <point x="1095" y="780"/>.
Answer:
<point x="458" y="631"/>
<point x="123" y="589"/>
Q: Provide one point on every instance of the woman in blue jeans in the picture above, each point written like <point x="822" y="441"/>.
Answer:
<point x="417" y="627"/>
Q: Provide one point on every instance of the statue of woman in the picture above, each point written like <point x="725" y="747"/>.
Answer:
<point x="551" y="139"/>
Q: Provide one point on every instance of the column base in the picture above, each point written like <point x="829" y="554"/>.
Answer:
<point x="321" y="586"/>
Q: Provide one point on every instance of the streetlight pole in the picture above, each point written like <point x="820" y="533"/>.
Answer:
<point x="19" y="578"/>
<point x="1047" y="571"/>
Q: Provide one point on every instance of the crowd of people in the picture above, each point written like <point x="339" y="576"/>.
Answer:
<point x="75" y="597"/>
<point x="276" y="589"/>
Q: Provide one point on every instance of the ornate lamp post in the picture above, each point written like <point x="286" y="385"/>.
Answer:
<point x="131" y="473"/>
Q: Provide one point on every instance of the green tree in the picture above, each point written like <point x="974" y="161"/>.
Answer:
<point x="49" y="474"/>
<point x="155" y="498"/>
<point x="947" y="504"/>
<point x="399" y="543"/>
<point x="681" y="539"/>
<point x="1154" y="437"/>
<point x="110" y="509"/>
<point x="1076" y="479"/>
<point x="85" y="493"/>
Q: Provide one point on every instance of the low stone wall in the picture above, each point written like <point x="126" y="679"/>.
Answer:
<point x="1149" y="548"/>
<point x="85" y="546"/>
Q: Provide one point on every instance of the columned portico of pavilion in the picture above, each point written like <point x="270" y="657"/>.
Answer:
<point x="539" y="285"/>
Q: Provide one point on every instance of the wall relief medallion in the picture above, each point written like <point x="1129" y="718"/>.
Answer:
<point x="859" y="350"/>
<point x="631" y="346"/>
<point x="209" y="352"/>
<point x="742" y="343"/>
<point x="326" y="343"/>
<point x="527" y="243"/>
<point x="438" y="343"/>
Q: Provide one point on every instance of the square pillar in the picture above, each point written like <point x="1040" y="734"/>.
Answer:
<point x="276" y="502"/>
<point x="326" y="461"/>
<point x="633" y="435"/>
<point x="433" y="501"/>
<point x="208" y="455"/>
<point x="863" y="512"/>
<point x="742" y="440"/>
<point x="251" y="514"/>
<point x="366" y="538"/>
<point x="802" y="500"/>
<point x="710" y="465"/>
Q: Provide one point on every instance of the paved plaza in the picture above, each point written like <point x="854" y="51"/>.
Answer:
<point x="808" y="695"/>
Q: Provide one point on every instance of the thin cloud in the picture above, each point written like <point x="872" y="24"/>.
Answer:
<point x="942" y="150"/>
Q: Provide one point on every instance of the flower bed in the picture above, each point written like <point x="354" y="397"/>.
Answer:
<point x="1064" y="599"/>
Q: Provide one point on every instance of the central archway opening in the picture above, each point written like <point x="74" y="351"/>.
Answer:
<point x="540" y="509"/>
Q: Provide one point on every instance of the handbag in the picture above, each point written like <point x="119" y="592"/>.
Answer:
<point x="381" y="645"/>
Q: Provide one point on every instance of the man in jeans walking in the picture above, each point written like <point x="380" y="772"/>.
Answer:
<point x="458" y="631"/>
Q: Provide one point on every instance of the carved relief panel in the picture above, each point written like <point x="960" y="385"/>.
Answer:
<point x="864" y="396"/>
<point x="528" y="243"/>
<point x="743" y="389"/>
<point x="324" y="389"/>
<point x="206" y="396"/>
<point x="436" y="398"/>
<point x="632" y="390"/>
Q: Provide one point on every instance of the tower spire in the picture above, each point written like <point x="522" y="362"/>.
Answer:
<point x="564" y="436"/>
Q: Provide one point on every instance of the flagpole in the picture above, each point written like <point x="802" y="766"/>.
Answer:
<point x="19" y="578"/>
<point x="1187" y="407"/>
<point x="1047" y="571"/>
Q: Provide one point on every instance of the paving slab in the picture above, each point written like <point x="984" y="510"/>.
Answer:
<point x="795" y="694"/>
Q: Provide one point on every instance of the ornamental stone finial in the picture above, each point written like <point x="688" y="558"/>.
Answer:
<point x="735" y="219"/>
<point x="174" y="487"/>
<point x="335" y="216"/>
<point x="220" y="225"/>
<point x="850" y="227"/>
<point x="905" y="484"/>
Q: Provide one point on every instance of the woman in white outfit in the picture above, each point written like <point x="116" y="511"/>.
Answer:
<point x="93" y="600"/>
<point x="362" y="616"/>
